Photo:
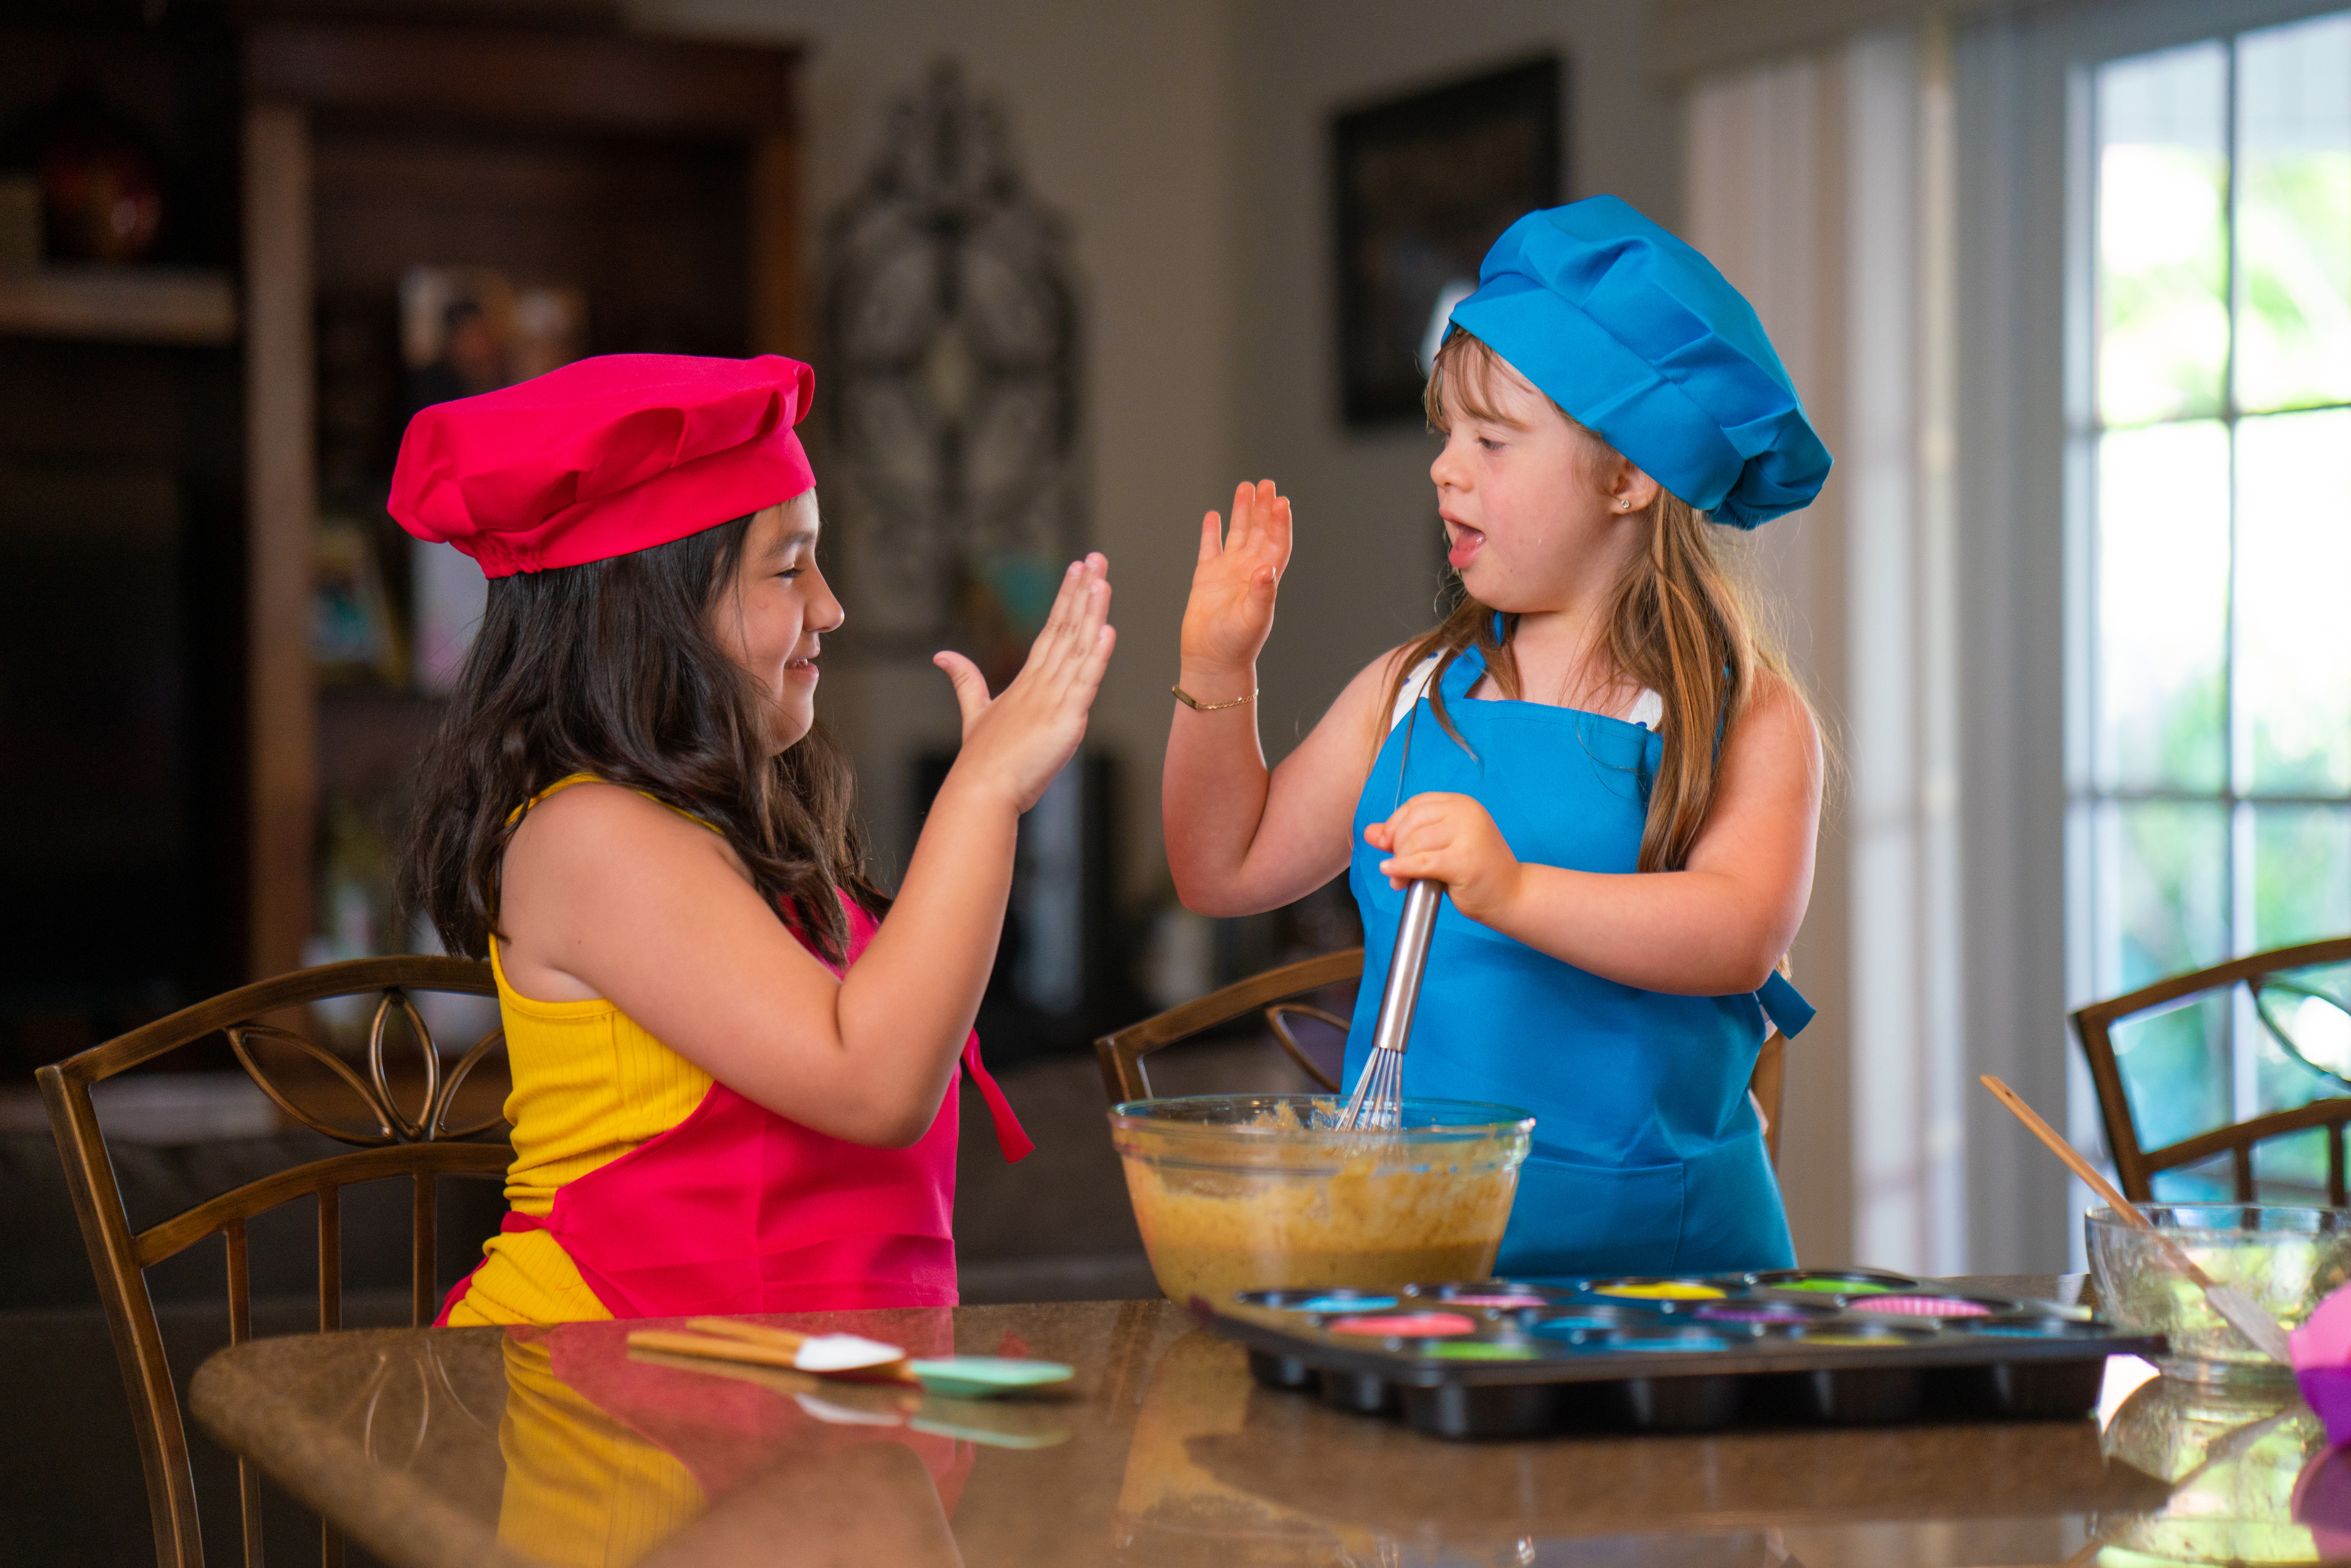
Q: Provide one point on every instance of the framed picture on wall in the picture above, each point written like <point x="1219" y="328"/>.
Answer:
<point x="1426" y="183"/>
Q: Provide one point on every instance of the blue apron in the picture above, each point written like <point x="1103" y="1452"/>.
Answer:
<point x="1648" y="1156"/>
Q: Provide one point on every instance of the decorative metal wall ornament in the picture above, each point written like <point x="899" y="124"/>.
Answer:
<point x="948" y="320"/>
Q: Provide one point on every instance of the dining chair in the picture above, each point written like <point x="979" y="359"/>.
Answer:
<point x="2269" y="981"/>
<point x="1121" y="1054"/>
<point x="421" y="1146"/>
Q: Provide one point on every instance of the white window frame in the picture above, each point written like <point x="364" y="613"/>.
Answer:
<point x="2022" y="88"/>
<point x="2088" y="944"/>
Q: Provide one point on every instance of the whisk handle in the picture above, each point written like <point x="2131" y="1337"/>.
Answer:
<point x="1410" y="963"/>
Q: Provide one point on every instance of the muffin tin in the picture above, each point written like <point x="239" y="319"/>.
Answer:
<point x="1499" y="1358"/>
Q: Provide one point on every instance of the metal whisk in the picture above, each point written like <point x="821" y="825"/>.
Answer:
<point x="1377" y="1103"/>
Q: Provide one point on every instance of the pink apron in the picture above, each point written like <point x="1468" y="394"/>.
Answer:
<point x="737" y="1209"/>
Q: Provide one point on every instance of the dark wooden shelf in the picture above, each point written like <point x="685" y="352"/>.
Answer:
<point x="172" y="305"/>
<point x="371" y="737"/>
<point x="661" y="176"/>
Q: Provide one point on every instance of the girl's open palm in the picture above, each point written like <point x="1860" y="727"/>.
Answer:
<point x="1230" y="612"/>
<point x="1020" y="739"/>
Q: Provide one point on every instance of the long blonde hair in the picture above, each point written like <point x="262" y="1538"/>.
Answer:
<point x="1676" y="622"/>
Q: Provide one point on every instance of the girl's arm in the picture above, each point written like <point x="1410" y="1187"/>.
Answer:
<point x="1240" y="839"/>
<point x="623" y="899"/>
<point x="1712" y="929"/>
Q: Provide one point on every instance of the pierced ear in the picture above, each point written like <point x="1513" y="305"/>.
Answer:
<point x="1634" y="491"/>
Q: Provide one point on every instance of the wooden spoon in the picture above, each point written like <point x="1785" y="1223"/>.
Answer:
<point x="2240" y="1310"/>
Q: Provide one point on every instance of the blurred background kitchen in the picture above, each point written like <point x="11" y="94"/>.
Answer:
<point x="2066" y="285"/>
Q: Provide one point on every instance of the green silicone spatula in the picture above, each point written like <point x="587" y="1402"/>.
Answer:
<point x="986" y="1376"/>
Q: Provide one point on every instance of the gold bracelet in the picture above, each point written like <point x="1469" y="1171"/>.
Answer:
<point x="1196" y="706"/>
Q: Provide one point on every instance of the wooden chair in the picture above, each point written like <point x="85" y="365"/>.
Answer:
<point x="422" y="1147"/>
<point x="1121" y="1054"/>
<point x="2264" y="976"/>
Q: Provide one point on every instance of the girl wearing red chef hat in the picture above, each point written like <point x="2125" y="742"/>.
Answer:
<point x="734" y="1082"/>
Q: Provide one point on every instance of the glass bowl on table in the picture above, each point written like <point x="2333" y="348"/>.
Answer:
<point x="1247" y="1192"/>
<point x="2285" y="1257"/>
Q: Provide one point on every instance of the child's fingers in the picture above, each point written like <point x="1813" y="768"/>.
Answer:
<point x="1089" y="608"/>
<point x="1082" y="607"/>
<point x="1086" y="678"/>
<point x="1420" y="827"/>
<point x="1244" y="518"/>
<point x="1089" y="602"/>
<point x="1278" y="525"/>
<point x="1080" y="658"/>
<point x="1056" y="614"/>
<point x="970" y="686"/>
<point x="1212" y="537"/>
<point x="1075" y="583"/>
<point x="1261" y="501"/>
<point x="1424" y="865"/>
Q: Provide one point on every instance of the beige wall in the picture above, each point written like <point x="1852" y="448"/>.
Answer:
<point x="1187" y="143"/>
<point x="1121" y="115"/>
<point x="1367" y="561"/>
<point x="1763" y="191"/>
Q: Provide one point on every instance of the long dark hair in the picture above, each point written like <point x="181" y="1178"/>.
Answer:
<point x="612" y="668"/>
<point x="1675" y="621"/>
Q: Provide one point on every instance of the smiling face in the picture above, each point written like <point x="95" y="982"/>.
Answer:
<point x="1539" y="514"/>
<point x="779" y="607"/>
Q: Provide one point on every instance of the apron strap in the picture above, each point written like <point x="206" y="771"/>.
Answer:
<point x="1015" y="1144"/>
<point x="1784" y="1005"/>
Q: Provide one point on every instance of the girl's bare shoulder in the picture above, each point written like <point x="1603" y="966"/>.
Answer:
<point x="1365" y="701"/>
<point x="596" y="821"/>
<point x="1779" y="701"/>
<point x="1779" y="720"/>
<point x="1382" y="672"/>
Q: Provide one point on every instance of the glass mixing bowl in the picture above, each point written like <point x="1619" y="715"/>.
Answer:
<point x="2286" y="1258"/>
<point x="1252" y="1192"/>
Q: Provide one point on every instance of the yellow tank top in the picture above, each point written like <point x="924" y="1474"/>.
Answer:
<point x="590" y="1085"/>
<point x="581" y="1489"/>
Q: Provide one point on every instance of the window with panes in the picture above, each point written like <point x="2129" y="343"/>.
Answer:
<point x="2212" y="814"/>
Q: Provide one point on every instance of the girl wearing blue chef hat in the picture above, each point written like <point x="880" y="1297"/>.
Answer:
<point x="1616" y="782"/>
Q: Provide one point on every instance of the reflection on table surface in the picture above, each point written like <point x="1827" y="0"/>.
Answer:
<point x="562" y="1446"/>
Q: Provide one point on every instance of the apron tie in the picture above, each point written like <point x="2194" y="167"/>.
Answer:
<point x="1784" y="1005"/>
<point x="1016" y="1144"/>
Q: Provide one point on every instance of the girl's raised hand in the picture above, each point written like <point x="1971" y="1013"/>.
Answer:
<point x="1230" y="612"/>
<point x="1452" y="840"/>
<point x="1017" y="742"/>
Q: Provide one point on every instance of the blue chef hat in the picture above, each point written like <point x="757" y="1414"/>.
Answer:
<point x="1640" y="338"/>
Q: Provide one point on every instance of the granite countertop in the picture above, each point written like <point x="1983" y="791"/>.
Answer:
<point x="513" y="1446"/>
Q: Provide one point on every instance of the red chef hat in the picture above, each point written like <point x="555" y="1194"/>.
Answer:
<point x="603" y="457"/>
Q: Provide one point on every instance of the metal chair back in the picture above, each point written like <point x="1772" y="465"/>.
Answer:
<point x="2135" y="1167"/>
<point x="1121" y="1054"/>
<point x="421" y="1146"/>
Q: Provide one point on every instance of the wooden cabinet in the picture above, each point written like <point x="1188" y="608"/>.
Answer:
<point x="657" y="178"/>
